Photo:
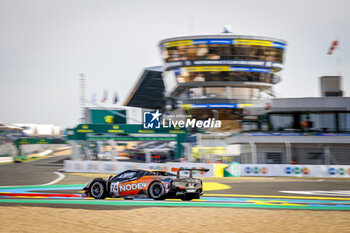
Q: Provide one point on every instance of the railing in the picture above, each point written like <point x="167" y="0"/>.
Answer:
<point x="217" y="96"/>
<point x="177" y="57"/>
<point x="242" y="78"/>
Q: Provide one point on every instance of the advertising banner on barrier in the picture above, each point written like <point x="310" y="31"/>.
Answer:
<point x="240" y="169"/>
<point x="295" y="170"/>
<point x="118" y="167"/>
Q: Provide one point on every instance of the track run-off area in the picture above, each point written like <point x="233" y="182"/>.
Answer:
<point x="56" y="195"/>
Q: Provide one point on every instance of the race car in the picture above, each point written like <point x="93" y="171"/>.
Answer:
<point x="140" y="183"/>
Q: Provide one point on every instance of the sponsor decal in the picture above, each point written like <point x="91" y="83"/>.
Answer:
<point x="212" y="41"/>
<point x="223" y="68"/>
<point x="332" y="171"/>
<point x="109" y="119"/>
<point x="264" y="170"/>
<point x="288" y="170"/>
<point x="306" y="171"/>
<point x="297" y="170"/>
<point x="256" y="170"/>
<point x="340" y="171"/>
<point x="223" y="65"/>
<point x="247" y="170"/>
<point x="177" y="43"/>
<point x="232" y="106"/>
<point x="265" y="43"/>
<point x="161" y="168"/>
<point x="129" y="187"/>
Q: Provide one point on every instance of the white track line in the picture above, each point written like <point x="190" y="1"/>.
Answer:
<point x="343" y="193"/>
<point x="61" y="176"/>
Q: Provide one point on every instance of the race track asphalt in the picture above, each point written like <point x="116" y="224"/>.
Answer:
<point x="36" y="172"/>
<point x="251" y="192"/>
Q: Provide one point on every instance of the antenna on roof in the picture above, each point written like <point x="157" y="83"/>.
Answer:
<point x="227" y="29"/>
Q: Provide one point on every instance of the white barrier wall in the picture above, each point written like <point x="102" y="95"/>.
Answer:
<point x="118" y="167"/>
<point x="243" y="169"/>
<point x="295" y="170"/>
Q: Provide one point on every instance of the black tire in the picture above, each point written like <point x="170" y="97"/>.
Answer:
<point x="156" y="191"/>
<point x="98" y="190"/>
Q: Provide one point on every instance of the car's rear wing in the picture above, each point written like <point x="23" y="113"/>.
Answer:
<point x="178" y="170"/>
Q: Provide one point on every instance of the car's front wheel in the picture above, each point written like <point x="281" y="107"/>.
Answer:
<point x="156" y="191"/>
<point x="98" y="190"/>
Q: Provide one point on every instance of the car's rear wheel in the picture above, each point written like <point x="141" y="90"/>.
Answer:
<point x="156" y="191"/>
<point x="98" y="190"/>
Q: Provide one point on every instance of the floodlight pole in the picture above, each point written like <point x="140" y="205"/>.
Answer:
<point x="82" y="96"/>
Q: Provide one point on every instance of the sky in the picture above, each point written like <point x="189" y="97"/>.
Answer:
<point x="46" y="44"/>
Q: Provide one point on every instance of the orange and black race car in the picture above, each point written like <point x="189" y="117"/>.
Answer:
<point x="139" y="183"/>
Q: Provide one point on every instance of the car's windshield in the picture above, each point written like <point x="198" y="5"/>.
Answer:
<point x="161" y="173"/>
<point x="125" y="175"/>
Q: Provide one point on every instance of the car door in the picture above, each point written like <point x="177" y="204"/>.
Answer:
<point x="115" y="182"/>
<point x="127" y="184"/>
<point x="124" y="184"/>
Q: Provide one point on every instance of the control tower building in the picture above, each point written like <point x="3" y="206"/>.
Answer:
<point x="218" y="76"/>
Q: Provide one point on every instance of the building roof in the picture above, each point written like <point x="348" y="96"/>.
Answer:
<point x="221" y="36"/>
<point x="311" y="104"/>
<point x="40" y="129"/>
<point x="306" y="104"/>
<point x="148" y="92"/>
<point x="4" y="126"/>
